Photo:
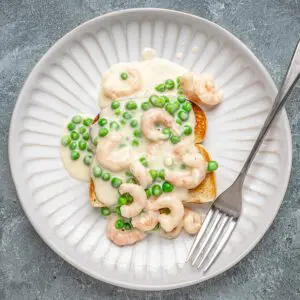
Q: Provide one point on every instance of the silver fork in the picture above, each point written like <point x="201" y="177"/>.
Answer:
<point x="224" y="213"/>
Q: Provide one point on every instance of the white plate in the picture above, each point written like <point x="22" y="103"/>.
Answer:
<point x="66" y="80"/>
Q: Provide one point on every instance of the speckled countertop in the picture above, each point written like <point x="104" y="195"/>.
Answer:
<point x="29" y="269"/>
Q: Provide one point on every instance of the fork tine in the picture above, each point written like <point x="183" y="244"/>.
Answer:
<point x="200" y="233"/>
<point x="224" y="239"/>
<point x="215" y="238"/>
<point x="209" y="234"/>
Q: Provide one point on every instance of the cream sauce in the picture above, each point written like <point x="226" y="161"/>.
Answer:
<point x="152" y="72"/>
<point x="155" y="153"/>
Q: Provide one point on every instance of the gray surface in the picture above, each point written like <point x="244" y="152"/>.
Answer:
<point x="28" y="268"/>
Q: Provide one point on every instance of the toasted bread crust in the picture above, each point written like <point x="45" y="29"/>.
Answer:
<point x="206" y="191"/>
<point x="201" y="124"/>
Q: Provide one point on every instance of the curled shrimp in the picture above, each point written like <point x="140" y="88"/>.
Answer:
<point x="146" y="220"/>
<point x="169" y="221"/>
<point x="109" y="159"/>
<point x="122" y="237"/>
<point x="113" y="86"/>
<point x="191" y="178"/>
<point x="201" y="89"/>
<point x="140" y="173"/>
<point x="191" y="221"/>
<point x="174" y="233"/>
<point x="151" y="118"/>
<point x="139" y="199"/>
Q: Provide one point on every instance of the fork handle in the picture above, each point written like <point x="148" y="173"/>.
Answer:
<point x="290" y="79"/>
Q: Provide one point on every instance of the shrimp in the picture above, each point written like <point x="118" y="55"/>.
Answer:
<point x="113" y="86"/>
<point x="122" y="237"/>
<point x="139" y="199"/>
<point x="169" y="221"/>
<point x="153" y="117"/>
<point x="191" y="221"/>
<point x="112" y="160"/>
<point x="174" y="233"/>
<point x="146" y="220"/>
<point x="191" y="178"/>
<point x="140" y="173"/>
<point x="201" y="89"/>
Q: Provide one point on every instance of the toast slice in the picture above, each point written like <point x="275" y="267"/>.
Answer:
<point x="206" y="191"/>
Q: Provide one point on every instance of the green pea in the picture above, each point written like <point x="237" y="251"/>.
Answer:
<point x="131" y="180"/>
<point x="167" y="132"/>
<point x="87" y="160"/>
<point x="129" y="198"/>
<point x="86" y="136"/>
<point x="75" y="155"/>
<point x="148" y="193"/>
<point x="153" y="99"/>
<point x="127" y="115"/>
<point x="170" y="84"/>
<point x="161" y="174"/>
<point x="97" y="171"/>
<point x="74" y="135"/>
<point x="135" y="143"/>
<point x="160" y="88"/>
<point x="167" y="187"/>
<point x="105" y="211"/>
<point x="116" y="182"/>
<point x="187" y="106"/>
<point x="119" y="224"/>
<point x="117" y="210"/>
<point x="131" y="105"/>
<point x="183" y="115"/>
<point x="82" y="130"/>
<point x="171" y="108"/>
<point x="77" y="119"/>
<point x="180" y="91"/>
<point x="153" y="174"/>
<point x="144" y="162"/>
<point x="114" y="125"/>
<point x="71" y="126"/>
<point x="156" y="190"/>
<point x="115" y="104"/>
<point x="82" y="145"/>
<point x="159" y="102"/>
<point x="134" y="123"/>
<point x="187" y="130"/>
<point x="102" y="122"/>
<point x="178" y="121"/>
<point x="123" y="122"/>
<point x="137" y="133"/>
<point x="65" y="140"/>
<point x="105" y="176"/>
<point x="122" y="200"/>
<point x="127" y="226"/>
<point x="73" y="146"/>
<point x="178" y="79"/>
<point x="124" y="76"/>
<point x="117" y="111"/>
<point x="145" y="106"/>
<point x="176" y="104"/>
<point x="212" y="166"/>
<point x="181" y="99"/>
<point x="175" y="139"/>
<point x="87" y="121"/>
<point x="103" y="132"/>
<point x="128" y="173"/>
